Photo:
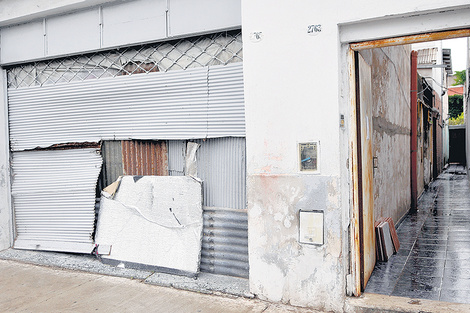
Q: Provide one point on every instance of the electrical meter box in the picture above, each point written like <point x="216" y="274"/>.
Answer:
<point x="311" y="227"/>
<point x="308" y="156"/>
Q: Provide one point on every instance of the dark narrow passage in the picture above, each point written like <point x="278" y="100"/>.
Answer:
<point x="434" y="257"/>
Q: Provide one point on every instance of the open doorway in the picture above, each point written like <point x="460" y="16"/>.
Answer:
<point x="398" y="155"/>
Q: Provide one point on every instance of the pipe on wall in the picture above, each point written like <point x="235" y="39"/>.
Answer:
<point x="414" y="128"/>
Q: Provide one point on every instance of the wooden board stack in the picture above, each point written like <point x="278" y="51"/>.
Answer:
<point x="387" y="242"/>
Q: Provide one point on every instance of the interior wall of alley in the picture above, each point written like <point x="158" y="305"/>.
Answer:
<point x="390" y="70"/>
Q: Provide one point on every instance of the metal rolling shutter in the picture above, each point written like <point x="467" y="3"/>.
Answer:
<point x="54" y="199"/>
<point x="194" y="103"/>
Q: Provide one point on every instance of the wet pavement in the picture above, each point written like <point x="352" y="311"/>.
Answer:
<point x="434" y="257"/>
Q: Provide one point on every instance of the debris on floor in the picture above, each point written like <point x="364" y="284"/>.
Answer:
<point x="387" y="242"/>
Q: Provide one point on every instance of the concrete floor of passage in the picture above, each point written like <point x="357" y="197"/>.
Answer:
<point x="433" y="261"/>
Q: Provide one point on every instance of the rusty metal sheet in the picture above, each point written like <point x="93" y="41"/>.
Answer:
<point x="144" y="157"/>
<point x="405" y="40"/>
<point x="367" y="215"/>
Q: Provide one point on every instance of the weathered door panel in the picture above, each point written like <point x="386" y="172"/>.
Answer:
<point x="368" y="235"/>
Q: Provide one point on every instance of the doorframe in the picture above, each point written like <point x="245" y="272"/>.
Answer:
<point x="356" y="262"/>
<point x="359" y="179"/>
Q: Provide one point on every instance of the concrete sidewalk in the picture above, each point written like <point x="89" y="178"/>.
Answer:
<point x="32" y="288"/>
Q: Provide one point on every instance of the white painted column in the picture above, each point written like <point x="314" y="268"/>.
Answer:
<point x="6" y="212"/>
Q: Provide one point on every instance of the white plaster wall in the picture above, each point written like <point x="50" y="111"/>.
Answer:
<point x="292" y="76"/>
<point x="296" y="87"/>
<point x="6" y="231"/>
<point x="291" y="97"/>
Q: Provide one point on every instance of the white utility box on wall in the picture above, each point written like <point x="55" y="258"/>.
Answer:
<point x="311" y="227"/>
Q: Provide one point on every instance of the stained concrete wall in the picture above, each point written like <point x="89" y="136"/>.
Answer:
<point x="281" y="268"/>
<point x="391" y="70"/>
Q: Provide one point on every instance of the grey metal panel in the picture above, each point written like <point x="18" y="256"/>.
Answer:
<point x="73" y="32"/>
<point x="172" y="105"/>
<point x="176" y="152"/>
<point x="134" y="22"/>
<point x="112" y="156"/>
<point x="221" y="164"/>
<point x="225" y="242"/>
<point x="54" y="197"/>
<point x="121" y="24"/>
<point x="22" y="42"/>
<point x="189" y="17"/>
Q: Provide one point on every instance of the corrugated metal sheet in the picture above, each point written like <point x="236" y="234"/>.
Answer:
<point x="112" y="158"/>
<point x="194" y="103"/>
<point x="225" y="242"/>
<point x="176" y="153"/>
<point x="144" y="157"/>
<point x="54" y="198"/>
<point x="427" y="56"/>
<point x="221" y="164"/>
<point x="226" y="110"/>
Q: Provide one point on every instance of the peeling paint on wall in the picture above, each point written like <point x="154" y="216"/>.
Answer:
<point x="281" y="268"/>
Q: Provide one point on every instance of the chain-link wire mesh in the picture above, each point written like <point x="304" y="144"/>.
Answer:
<point x="215" y="49"/>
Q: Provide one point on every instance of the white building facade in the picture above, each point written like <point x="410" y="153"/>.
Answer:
<point x="298" y="117"/>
